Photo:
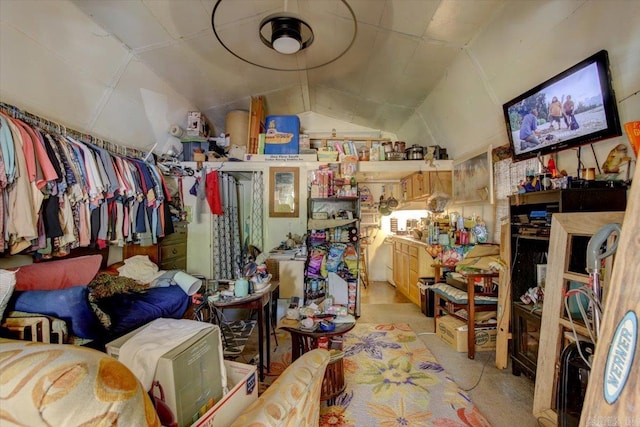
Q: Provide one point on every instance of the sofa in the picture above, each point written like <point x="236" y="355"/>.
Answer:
<point x="82" y="302"/>
<point x="294" y="397"/>
<point x="67" y="385"/>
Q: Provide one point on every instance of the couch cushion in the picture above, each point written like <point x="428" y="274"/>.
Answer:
<point x="460" y="297"/>
<point x="66" y="385"/>
<point x="70" y="304"/>
<point x="58" y="274"/>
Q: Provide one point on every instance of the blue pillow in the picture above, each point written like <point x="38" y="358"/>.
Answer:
<point x="130" y="311"/>
<point x="70" y="304"/>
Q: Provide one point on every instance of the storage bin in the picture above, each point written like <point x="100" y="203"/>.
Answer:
<point x="327" y="156"/>
<point x="426" y="296"/>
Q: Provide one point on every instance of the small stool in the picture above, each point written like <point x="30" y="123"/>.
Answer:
<point x="38" y="326"/>
<point x="333" y="383"/>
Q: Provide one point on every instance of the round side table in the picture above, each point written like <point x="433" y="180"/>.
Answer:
<point x="302" y="341"/>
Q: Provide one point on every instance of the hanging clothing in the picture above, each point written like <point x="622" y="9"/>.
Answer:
<point x="58" y="193"/>
<point x="213" y="193"/>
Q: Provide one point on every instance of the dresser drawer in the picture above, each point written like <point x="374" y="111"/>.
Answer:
<point x="179" y="263"/>
<point x="175" y="250"/>
<point x="179" y="236"/>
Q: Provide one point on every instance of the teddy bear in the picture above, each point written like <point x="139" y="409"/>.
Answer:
<point x="430" y="156"/>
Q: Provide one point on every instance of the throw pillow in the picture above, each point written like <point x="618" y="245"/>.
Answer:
<point x="58" y="274"/>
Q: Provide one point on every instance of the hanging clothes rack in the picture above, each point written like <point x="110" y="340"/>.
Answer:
<point x="53" y="127"/>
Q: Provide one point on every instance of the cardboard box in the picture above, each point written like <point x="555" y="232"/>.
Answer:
<point x="195" y="124"/>
<point x="243" y="381"/>
<point x="454" y="332"/>
<point x="189" y="376"/>
<point x="282" y="136"/>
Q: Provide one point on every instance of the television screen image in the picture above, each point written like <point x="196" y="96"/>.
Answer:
<point x="573" y="108"/>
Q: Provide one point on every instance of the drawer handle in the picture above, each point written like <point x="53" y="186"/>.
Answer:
<point x="174" y="251"/>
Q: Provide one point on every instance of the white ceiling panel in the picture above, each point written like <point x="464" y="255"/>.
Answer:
<point x="54" y="24"/>
<point x="73" y="99"/>
<point x="180" y="19"/>
<point x="137" y="128"/>
<point x="409" y="17"/>
<point x="130" y="21"/>
<point x="402" y="49"/>
<point x="457" y="21"/>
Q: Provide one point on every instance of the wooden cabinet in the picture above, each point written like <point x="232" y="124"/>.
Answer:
<point x="173" y="249"/>
<point x="410" y="262"/>
<point x="531" y="216"/>
<point x="420" y="185"/>
<point x="526" y="338"/>
<point x="169" y="254"/>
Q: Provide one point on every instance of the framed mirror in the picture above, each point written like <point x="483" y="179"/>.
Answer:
<point x="284" y="184"/>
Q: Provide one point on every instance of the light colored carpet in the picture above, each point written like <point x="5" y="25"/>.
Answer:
<point x="392" y="380"/>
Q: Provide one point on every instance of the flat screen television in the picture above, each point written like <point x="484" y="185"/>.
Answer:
<point x="585" y="111"/>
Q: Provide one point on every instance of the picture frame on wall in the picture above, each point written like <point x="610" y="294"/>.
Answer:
<point x="284" y="184"/>
<point x="473" y="178"/>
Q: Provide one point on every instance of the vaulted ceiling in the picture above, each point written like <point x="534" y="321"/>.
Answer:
<point x="401" y="50"/>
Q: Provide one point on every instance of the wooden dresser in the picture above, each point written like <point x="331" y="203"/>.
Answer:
<point x="169" y="254"/>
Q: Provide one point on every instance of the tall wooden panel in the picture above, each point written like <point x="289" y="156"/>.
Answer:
<point x="554" y="322"/>
<point x="613" y="393"/>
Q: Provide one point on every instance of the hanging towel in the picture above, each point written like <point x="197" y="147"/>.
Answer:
<point x="141" y="352"/>
<point x="213" y="193"/>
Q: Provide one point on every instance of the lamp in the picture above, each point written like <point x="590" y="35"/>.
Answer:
<point x="287" y="33"/>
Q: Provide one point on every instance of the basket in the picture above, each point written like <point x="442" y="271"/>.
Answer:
<point x="327" y="156"/>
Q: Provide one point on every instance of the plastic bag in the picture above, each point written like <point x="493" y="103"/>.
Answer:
<point x="438" y="201"/>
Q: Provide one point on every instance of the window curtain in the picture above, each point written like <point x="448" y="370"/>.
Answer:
<point x="257" y="208"/>
<point x="226" y="230"/>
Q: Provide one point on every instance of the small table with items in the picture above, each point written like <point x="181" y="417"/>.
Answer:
<point x="304" y="340"/>
<point x="485" y="298"/>
<point x="261" y="301"/>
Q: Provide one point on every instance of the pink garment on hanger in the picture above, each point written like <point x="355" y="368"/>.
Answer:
<point x="213" y="193"/>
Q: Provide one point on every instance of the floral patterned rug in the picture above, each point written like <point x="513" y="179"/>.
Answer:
<point x="392" y="380"/>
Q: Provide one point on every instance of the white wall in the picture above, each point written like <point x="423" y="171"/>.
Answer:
<point x="57" y="63"/>
<point x="527" y="43"/>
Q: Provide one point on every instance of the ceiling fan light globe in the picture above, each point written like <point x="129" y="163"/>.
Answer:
<point x="286" y="45"/>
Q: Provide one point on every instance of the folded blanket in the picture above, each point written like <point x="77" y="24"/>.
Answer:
<point x="140" y="268"/>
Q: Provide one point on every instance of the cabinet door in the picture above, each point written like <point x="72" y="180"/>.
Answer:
<point x="407" y="188"/>
<point x="440" y="181"/>
<point x="418" y="185"/>
<point x="404" y="270"/>
<point x="397" y="263"/>
<point x="412" y="279"/>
